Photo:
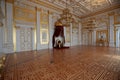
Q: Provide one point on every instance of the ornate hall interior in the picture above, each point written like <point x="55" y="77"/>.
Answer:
<point x="59" y="39"/>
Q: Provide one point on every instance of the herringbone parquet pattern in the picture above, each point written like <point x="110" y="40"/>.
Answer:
<point x="75" y="63"/>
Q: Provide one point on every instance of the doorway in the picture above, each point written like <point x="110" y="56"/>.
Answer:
<point x="25" y="39"/>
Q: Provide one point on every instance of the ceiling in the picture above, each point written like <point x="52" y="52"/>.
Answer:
<point x="81" y="8"/>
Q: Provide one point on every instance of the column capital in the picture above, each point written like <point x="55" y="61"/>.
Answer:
<point x="17" y="27"/>
<point x="38" y="9"/>
<point x="50" y="12"/>
<point x="10" y="1"/>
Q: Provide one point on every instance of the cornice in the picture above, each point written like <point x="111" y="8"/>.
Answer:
<point x="9" y="1"/>
<point x="46" y="5"/>
<point x="102" y="11"/>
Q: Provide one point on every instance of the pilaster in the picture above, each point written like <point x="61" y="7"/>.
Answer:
<point x="111" y="30"/>
<point x="17" y="38"/>
<point x="94" y="37"/>
<point x="118" y="36"/>
<point x="8" y="45"/>
<point x="80" y="34"/>
<point x="51" y="25"/>
<point x="71" y="37"/>
<point x="38" y="30"/>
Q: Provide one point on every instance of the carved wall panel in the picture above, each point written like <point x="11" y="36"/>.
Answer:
<point x="67" y="34"/>
<point x="117" y="19"/>
<point x="25" y="39"/>
<point x="44" y="27"/>
<point x="24" y="14"/>
<point x="90" y="38"/>
<point x="44" y="36"/>
<point x="75" y="35"/>
<point x="85" y="38"/>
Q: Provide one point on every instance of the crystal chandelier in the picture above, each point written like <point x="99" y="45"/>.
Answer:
<point x="91" y="25"/>
<point x="66" y="17"/>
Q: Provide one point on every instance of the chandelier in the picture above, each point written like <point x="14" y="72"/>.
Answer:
<point x="90" y="25"/>
<point x="66" y="17"/>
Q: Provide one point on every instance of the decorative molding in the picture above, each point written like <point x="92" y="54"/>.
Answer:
<point x="17" y="27"/>
<point x="102" y="11"/>
<point x="44" y="36"/>
<point x="39" y="9"/>
<point x="117" y="19"/>
<point x="44" y="22"/>
<point x="24" y="24"/>
<point x="10" y="1"/>
<point x="45" y="5"/>
<point x="81" y="9"/>
<point x="50" y="12"/>
<point x="111" y="13"/>
<point x="24" y="14"/>
<point x="25" y="39"/>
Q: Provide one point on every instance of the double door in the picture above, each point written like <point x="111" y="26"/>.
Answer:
<point x="25" y="39"/>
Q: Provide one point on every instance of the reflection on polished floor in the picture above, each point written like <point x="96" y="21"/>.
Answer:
<point x="75" y="63"/>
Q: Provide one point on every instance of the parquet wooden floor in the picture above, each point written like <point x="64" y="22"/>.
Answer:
<point x="75" y="63"/>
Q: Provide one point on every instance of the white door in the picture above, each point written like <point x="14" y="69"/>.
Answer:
<point x="25" y="39"/>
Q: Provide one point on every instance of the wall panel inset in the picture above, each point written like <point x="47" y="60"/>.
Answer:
<point x="44" y="17"/>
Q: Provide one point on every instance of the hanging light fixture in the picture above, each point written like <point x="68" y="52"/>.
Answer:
<point x="91" y="25"/>
<point x="66" y="17"/>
